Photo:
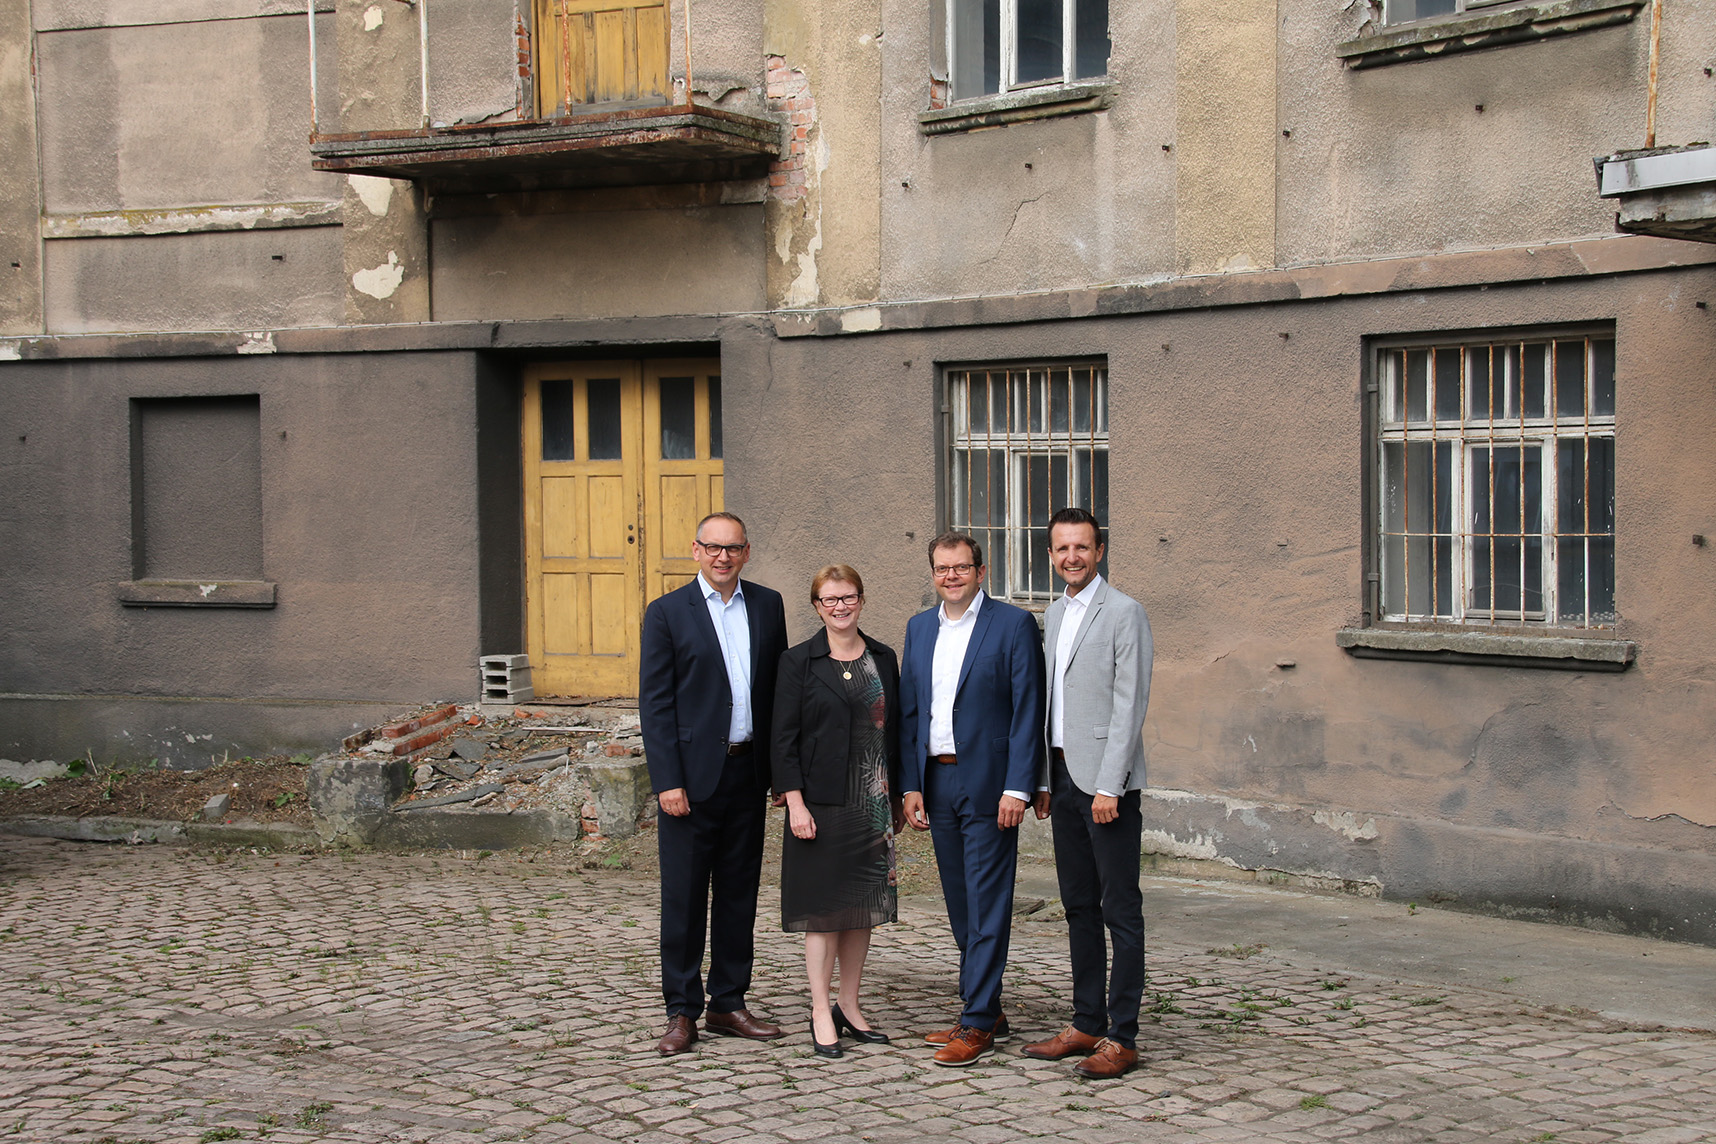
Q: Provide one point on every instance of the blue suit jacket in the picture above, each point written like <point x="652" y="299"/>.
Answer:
<point x="685" y="702"/>
<point x="997" y="711"/>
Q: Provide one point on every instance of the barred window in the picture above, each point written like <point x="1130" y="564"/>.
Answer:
<point x="1497" y="481"/>
<point x="1026" y="440"/>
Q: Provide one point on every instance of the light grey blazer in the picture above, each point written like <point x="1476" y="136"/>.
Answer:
<point x="1107" y="690"/>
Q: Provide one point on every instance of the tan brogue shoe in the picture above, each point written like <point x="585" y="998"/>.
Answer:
<point x="964" y="1047"/>
<point x="1003" y="1032"/>
<point x="1068" y="1042"/>
<point x="1111" y="1059"/>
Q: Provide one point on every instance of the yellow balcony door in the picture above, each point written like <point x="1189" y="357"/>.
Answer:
<point x="598" y="51"/>
<point x="621" y="460"/>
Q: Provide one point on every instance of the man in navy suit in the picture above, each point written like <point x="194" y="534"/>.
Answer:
<point x="706" y="691"/>
<point x="971" y="752"/>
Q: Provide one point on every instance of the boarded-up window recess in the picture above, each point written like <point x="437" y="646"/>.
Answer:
<point x="196" y="504"/>
<point x="1495" y="482"/>
<point x="1025" y="440"/>
<point x="598" y="52"/>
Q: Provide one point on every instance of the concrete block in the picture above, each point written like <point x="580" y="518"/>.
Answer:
<point x="621" y="793"/>
<point x="215" y="808"/>
<point x="349" y="798"/>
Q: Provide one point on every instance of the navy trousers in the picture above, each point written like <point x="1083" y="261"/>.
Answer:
<point x="711" y="860"/>
<point x="978" y="861"/>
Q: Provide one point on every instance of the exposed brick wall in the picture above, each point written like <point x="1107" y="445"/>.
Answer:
<point x="526" y="61"/>
<point x="939" y="89"/>
<point x="789" y="93"/>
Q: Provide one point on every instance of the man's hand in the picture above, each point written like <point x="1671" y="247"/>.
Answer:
<point x="1104" y="808"/>
<point x="1012" y="812"/>
<point x="1042" y="805"/>
<point x="674" y="802"/>
<point x="914" y="808"/>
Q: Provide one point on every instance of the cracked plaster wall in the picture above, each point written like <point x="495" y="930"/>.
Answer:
<point x="20" y="185"/>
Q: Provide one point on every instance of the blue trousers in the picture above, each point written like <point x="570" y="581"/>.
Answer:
<point x="978" y="861"/>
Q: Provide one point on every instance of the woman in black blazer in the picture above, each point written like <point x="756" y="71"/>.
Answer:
<point x="836" y="760"/>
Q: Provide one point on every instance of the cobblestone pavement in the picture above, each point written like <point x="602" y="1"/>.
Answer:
<point x="157" y="994"/>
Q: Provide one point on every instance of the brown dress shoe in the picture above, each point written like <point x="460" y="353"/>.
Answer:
<point x="680" y="1036"/>
<point x="965" y="1046"/>
<point x="1003" y="1032"/>
<point x="1111" y="1059"/>
<point x="1063" y="1044"/>
<point x="740" y="1023"/>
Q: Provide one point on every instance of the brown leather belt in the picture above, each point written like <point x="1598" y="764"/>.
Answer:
<point x="741" y="748"/>
<point x="949" y="760"/>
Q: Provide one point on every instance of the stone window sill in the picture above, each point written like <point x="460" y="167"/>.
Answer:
<point x="1484" y="28"/>
<point x="195" y="594"/>
<point x="1018" y="107"/>
<point x="1496" y="649"/>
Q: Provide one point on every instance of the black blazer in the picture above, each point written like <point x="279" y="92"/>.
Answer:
<point x="813" y="720"/>
<point x="684" y="700"/>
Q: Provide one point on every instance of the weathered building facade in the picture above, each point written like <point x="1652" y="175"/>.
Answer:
<point x="311" y="402"/>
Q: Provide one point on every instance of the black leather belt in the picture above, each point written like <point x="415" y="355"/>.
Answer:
<point x="741" y="748"/>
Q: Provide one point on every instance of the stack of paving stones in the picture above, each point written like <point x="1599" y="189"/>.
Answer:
<point x="178" y="996"/>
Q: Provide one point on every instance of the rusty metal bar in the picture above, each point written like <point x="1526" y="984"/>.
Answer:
<point x="1655" y="52"/>
<point x="310" y="9"/>
<point x="423" y="56"/>
<point x="565" y="60"/>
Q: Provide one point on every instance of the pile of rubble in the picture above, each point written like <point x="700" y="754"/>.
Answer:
<point x="469" y="756"/>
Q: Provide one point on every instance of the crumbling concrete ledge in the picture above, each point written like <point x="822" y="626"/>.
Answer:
<point x="355" y="802"/>
<point x="104" y="828"/>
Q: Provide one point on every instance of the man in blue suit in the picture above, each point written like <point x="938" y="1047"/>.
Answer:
<point x="971" y="749"/>
<point x="706" y="691"/>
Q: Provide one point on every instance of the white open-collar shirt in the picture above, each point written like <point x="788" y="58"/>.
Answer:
<point x="952" y="641"/>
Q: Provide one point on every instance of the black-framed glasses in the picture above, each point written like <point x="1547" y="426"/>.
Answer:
<point x="943" y="570"/>
<point x="832" y="602"/>
<point x="729" y="549"/>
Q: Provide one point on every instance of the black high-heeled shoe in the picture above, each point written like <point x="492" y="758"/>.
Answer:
<point x="863" y="1036"/>
<point x="823" y="1050"/>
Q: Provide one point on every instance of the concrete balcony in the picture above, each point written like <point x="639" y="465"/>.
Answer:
<point x="1669" y="192"/>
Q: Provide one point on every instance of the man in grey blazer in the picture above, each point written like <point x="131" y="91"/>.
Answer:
<point x="1097" y="644"/>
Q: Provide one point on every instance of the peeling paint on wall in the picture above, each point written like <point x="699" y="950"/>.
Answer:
<point x="1346" y="824"/>
<point x="372" y="18"/>
<point x="261" y="342"/>
<point x="796" y="179"/>
<point x="380" y="281"/>
<point x="376" y="193"/>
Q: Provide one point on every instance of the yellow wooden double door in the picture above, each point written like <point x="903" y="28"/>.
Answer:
<point x="621" y="460"/>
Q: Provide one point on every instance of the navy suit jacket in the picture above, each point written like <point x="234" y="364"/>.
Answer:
<point x="997" y="710"/>
<point x="685" y="701"/>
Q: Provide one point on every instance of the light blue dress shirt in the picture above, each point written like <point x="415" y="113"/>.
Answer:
<point x="733" y="629"/>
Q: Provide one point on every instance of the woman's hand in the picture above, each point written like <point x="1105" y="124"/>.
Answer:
<point x="799" y="817"/>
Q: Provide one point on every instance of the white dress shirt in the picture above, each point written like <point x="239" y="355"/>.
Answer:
<point x="1072" y="619"/>
<point x="733" y="629"/>
<point x="952" y="641"/>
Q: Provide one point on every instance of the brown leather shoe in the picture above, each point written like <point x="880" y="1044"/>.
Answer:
<point x="1003" y="1032"/>
<point x="680" y="1036"/>
<point x="740" y="1023"/>
<point x="1065" y="1043"/>
<point x="965" y="1046"/>
<point x="1111" y="1059"/>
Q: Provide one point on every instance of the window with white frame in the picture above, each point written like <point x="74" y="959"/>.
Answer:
<point x="1025" y="440"/>
<point x="1004" y="45"/>
<point x="1401" y="11"/>
<point x="1496" y="475"/>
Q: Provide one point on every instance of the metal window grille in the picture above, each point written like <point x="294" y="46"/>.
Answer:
<point x="1496" y="474"/>
<point x="1026" y="440"/>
